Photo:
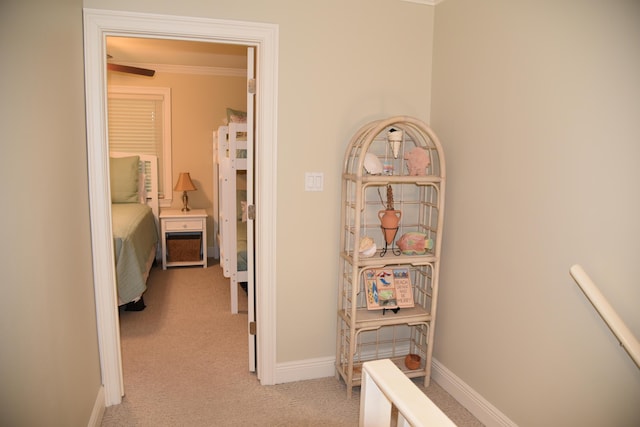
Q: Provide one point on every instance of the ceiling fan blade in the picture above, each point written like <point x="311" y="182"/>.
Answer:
<point x="130" y="70"/>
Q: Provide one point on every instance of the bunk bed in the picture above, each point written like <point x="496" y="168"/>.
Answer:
<point x="232" y="195"/>
<point x="134" y="214"/>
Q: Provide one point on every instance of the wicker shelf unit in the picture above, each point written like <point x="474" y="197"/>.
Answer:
<point x="364" y="334"/>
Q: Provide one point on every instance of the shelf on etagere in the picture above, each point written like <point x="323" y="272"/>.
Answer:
<point x="393" y="179"/>
<point x="374" y="318"/>
<point x="389" y="259"/>
<point x="398" y="361"/>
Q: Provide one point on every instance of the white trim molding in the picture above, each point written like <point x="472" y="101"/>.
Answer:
<point x="308" y="369"/>
<point x="190" y="69"/>
<point x="484" y="411"/>
<point x="425" y="2"/>
<point x="324" y="367"/>
<point x="98" y="410"/>
<point x="98" y="24"/>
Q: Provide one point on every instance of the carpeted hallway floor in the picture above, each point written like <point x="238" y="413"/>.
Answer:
<point x="185" y="364"/>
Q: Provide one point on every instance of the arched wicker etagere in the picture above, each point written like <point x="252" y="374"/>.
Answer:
<point x="385" y="161"/>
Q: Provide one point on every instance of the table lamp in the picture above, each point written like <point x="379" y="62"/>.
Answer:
<point x="185" y="184"/>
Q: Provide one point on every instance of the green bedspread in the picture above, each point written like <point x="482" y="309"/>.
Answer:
<point x="135" y="238"/>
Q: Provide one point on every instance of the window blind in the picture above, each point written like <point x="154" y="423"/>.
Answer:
<point x="136" y="126"/>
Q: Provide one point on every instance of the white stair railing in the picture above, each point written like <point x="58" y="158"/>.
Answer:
<point x="608" y="314"/>
<point x="389" y="398"/>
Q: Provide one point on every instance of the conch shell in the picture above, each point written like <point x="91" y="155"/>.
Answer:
<point x="372" y="164"/>
<point x="367" y="247"/>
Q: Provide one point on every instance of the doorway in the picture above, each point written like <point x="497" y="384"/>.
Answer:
<point x="171" y="98"/>
<point x="98" y="25"/>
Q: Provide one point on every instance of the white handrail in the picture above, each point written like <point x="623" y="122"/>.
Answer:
<point x="386" y="393"/>
<point x="608" y="314"/>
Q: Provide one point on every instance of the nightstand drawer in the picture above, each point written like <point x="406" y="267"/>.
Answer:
<point x="184" y="225"/>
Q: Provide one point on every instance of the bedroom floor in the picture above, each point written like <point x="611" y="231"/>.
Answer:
<point x="185" y="364"/>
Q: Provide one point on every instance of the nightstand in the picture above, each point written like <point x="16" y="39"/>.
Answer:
<point x="184" y="237"/>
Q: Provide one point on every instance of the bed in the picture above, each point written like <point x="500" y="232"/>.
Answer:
<point x="134" y="214"/>
<point x="232" y="195"/>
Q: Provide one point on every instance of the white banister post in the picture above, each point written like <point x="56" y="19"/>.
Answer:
<point x="384" y="386"/>
<point x="375" y="408"/>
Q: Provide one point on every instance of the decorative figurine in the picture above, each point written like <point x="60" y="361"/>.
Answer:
<point x="417" y="161"/>
<point x="394" y="137"/>
<point x="414" y="243"/>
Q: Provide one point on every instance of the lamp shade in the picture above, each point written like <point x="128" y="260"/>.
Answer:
<point x="184" y="183"/>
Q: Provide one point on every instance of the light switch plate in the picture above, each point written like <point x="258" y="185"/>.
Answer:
<point x="313" y="181"/>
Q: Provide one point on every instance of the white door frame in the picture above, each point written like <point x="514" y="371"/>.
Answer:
<point x="98" y="24"/>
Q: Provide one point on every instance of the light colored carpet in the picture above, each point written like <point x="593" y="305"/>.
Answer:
<point x="185" y="364"/>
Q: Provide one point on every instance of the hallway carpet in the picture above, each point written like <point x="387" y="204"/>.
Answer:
<point x="185" y="364"/>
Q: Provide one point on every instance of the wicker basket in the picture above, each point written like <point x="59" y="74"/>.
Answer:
<point x="184" y="247"/>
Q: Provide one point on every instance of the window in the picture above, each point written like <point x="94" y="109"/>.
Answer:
<point x="139" y="120"/>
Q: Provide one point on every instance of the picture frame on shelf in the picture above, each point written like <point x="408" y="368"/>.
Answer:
<point x="388" y="288"/>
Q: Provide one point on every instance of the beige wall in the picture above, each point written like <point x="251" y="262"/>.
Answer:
<point x="199" y="104"/>
<point x="49" y="363"/>
<point x="341" y="64"/>
<point x="537" y="105"/>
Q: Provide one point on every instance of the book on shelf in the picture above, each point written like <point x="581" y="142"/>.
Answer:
<point x="388" y="288"/>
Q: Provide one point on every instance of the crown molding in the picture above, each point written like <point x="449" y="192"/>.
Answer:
<point x="425" y="2"/>
<point x="189" y="69"/>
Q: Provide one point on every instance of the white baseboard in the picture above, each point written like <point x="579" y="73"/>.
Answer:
<point x="484" y="411"/>
<point x="98" y="409"/>
<point x="324" y="367"/>
<point x="308" y="369"/>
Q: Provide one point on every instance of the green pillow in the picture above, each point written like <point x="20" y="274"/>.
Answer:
<point x="123" y="176"/>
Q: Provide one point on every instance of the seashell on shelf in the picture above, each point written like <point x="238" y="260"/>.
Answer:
<point x="367" y="247"/>
<point x="372" y="164"/>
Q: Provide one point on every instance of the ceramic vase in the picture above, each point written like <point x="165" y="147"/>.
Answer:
<point x="389" y="220"/>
